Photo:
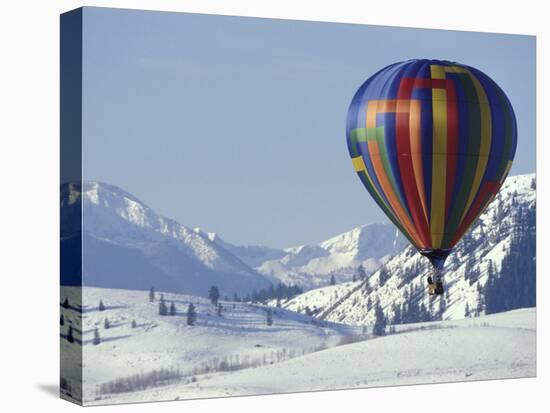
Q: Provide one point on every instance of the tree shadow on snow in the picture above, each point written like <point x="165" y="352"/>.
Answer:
<point x="107" y="307"/>
<point x="107" y="339"/>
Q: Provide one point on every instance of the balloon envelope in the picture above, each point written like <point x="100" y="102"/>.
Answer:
<point x="432" y="141"/>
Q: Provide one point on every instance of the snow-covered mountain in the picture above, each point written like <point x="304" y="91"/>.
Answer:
<point x="402" y="280"/>
<point x="312" y="265"/>
<point x="128" y="245"/>
<point x="253" y="255"/>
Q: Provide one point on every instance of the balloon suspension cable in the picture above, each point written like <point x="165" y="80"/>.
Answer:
<point x="437" y="274"/>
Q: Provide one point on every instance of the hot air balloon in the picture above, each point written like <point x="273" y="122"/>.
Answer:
<point x="432" y="141"/>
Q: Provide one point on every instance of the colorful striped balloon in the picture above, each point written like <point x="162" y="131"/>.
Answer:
<point x="432" y="141"/>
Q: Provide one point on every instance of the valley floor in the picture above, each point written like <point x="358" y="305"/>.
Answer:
<point x="292" y="355"/>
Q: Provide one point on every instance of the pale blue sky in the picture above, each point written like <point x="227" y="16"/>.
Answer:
<point x="237" y="125"/>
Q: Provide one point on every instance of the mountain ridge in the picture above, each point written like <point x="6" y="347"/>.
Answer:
<point x="401" y="282"/>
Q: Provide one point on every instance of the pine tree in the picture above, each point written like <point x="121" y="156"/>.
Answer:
<point x="97" y="338"/>
<point x="332" y="280"/>
<point x="134" y="324"/>
<point x="269" y="317"/>
<point x="65" y="303"/>
<point x="384" y="276"/>
<point x="397" y="319"/>
<point x="354" y="278"/>
<point x="480" y="303"/>
<point x="191" y="315"/>
<point x="101" y="305"/>
<point x="62" y="320"/>
<point x="467" y="311"/>
<point x="106" y="324"/>
<point x="515" y="285"/>
<point x="214" y="295"/>
<point x="151" y="295"/>
<point x="278" y="305"/>
<point x="369" y="303"/>
<point x="172" y="308"/>
<point x="442" y="306"/>
<point x="219" y="310"/>
<point x="423" y="313"/>
<point x="70" y="337"/>
<point x="379" y="328"/>
<point x="163" y="309"/>
<point x="361" y="273"/>
<point x="368" y="288"/>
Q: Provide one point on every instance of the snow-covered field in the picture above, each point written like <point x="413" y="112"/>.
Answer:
<point x="486" y="348"/>
<point x="240" y="337"/>
<point x="293" y="354"/>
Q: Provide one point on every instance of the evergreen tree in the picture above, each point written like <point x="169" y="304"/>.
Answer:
<point x="332" y="280"/>
<point x="101" y="305"/>
<point x="467" y="270"/>
<point x="467" y="311"/>
<point x="354" y="278"/>
<point x="70" y="337"/>
<point x="384" y="276"/>
<point x="191" y="315"/>
<point x="368" y="288"/>
<point x="442" y="306"/>
<point x="379" y="328"/>
<point x="397" y="319"/>
<point x="515" y="285"/>
<point x="214" y="295"/>
<point x="62" y="320"/>
<point x="106" y="324"/>
<point x="96" y="339"/>
<point x="361" y="273"/>
<point x="269" y="317"/>
<point x="65" y="303"/>
<point x="423" y="313"/>
<point x="278" y="305"/>
<point x="163" y="309"/>
<point x="480" y="303"/>
<point x="151" y="295"/>
<point x="236" y="297"/>
<point x="219" y="310"/>
<point x="282" y="291"/>
<point x="134" y="324"/>
<point x="173" y="308"/>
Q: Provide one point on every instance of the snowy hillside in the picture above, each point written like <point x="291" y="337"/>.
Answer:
<point x="238" y="354"/>
<point x="473" y="351"/>
<point x="128" y="245"/>
<point x="312" y="265"/>
<point x="240" y="337"/>
<point x="402" y="280"/>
